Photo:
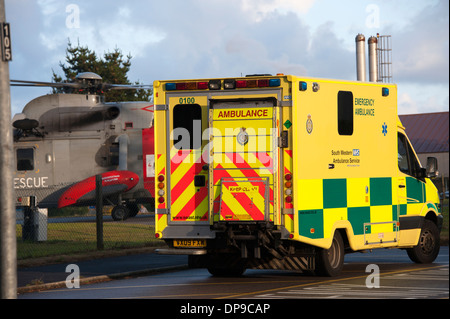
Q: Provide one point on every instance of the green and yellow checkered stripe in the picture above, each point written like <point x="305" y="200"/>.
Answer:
<point x="323" y="202"/>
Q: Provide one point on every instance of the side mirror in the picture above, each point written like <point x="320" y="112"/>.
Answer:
<point x="432" y="167"/>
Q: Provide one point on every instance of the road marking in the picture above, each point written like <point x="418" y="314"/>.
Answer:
<point x="369" y="293"/>
<point x="342" y="291"/>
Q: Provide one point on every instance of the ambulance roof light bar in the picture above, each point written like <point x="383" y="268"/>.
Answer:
<point x="186" y="86"/>
<point x="228" y="84"/>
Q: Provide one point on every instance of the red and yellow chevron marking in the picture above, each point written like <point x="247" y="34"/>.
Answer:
<point x="188" y="203"/>
<point x="243" y="199"/>
<point x="256" y="165"/>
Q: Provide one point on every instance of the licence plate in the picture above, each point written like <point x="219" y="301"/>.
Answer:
<point x="189" y="243"/>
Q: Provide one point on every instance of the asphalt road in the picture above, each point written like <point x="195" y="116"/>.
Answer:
<point x="398" y="278"/>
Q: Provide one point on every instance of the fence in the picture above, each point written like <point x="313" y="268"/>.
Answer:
<point x="52" y="232"/>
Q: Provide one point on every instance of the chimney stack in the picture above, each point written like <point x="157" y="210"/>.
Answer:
<point x="360" y="57"/>
<point x="373" y="63"/>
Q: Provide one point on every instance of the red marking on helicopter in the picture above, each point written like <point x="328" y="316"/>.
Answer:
<point x="148" y="108"/>
<point x="113" y="182"/>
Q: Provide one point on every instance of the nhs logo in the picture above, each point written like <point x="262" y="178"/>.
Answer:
<point x="356" y="152"/>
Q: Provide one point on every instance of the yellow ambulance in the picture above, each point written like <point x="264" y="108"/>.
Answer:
<point x="287" y="172"/>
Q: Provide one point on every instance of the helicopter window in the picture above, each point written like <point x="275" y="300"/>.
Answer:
<point x="25" y="159"/>
<point x="187" y="124"/>
<point x="114" y="154"/>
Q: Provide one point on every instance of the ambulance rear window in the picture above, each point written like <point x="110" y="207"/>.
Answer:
<point x="187" y="118"/>
<point x="345" y="113"/>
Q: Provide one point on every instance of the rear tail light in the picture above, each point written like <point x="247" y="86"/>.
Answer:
<point x="161" y="186"/>
<point x="288" y="188"/>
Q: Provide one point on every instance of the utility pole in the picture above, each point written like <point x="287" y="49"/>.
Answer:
<point x="8" y="245"/>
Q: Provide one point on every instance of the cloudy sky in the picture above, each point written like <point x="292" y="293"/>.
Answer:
<point x="176" y="39"/>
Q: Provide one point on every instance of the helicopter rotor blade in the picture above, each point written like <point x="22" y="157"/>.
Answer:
<point x="44" y="84"/>
<point x="107" y="87"/>
<point x="87" y="80"/>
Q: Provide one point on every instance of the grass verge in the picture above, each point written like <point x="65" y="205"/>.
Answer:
<point x="75" y="240"/>
<point x="72" y="238"/>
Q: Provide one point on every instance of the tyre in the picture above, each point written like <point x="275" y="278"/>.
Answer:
<point x="329" y="262"/>
<point x="427" y="248"/>
<point x="119" y="212"/>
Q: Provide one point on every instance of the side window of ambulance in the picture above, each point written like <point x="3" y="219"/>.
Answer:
<point x="25" y="159"/>
<point x="407" y="161"/>
<point x="402" y="155"/>
<point x="345" y="113"/>
<point x="187" y="126"/>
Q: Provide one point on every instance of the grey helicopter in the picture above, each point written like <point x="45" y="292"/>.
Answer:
<point x="62" y="141"/>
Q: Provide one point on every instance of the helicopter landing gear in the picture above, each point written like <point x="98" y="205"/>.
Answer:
<point x="124" y="210"/>
<point x="120" y="212"/>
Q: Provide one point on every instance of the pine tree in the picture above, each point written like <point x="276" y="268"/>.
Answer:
<point x="113" y="69"/>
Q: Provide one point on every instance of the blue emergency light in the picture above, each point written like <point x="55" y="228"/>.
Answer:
<point x="303" y="86"/>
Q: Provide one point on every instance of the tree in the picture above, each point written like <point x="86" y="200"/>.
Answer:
<point x="113" y="69"/>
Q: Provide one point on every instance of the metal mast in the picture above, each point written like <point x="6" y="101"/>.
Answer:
<point x="384" y="50"/>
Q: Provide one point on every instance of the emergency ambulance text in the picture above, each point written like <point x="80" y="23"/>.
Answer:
<point x="365" y="102"/>
<point x="365" y="112"/>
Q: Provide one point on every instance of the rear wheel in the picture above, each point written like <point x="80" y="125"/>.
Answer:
<point x="427" y="248"/>
<point x="329" y="262"/>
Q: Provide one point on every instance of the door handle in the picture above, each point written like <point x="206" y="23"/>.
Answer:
<point x="402" y="186"/>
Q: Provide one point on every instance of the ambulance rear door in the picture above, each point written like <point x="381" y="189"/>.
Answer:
<point x="188" y="189"/>
<point x="244" y="156"/>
